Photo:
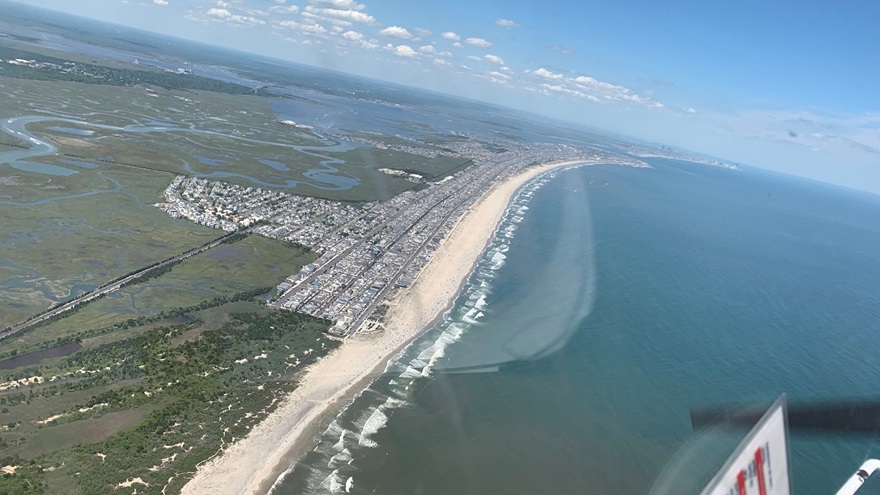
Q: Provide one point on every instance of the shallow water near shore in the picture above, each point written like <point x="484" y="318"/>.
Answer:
<point x="610" y="302"/>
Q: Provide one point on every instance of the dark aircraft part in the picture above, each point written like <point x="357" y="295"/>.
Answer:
<point x="839" y="416"/>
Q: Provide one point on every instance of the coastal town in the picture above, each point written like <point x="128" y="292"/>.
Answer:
<point x="366" y="251"/>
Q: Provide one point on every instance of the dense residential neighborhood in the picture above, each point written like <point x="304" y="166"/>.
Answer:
<point x="367" y="250"/>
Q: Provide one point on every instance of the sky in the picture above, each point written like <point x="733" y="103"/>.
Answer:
<point x="785" y="85"/>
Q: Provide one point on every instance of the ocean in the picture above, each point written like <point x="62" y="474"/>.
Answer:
<point x="611" y="301"/>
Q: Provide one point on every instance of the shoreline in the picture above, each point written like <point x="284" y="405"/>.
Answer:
<point x="253" y="464"/>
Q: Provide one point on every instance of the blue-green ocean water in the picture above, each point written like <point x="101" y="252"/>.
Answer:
<point x="611" y="302"/>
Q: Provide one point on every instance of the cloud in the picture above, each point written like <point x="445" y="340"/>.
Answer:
<point x="496" y="77"/>
<point x="218" y="14"/>
<point x="853" y="144"/>
<point x="160" y="3"/>
<point x="427" y="49"/>
<point x="403" y="51"/>
<point x="312" y="28"/>
<point x="457" y="45"/>
<point x="542" y="72"/>
<point x="853" y="136"/>
<point x="495" y="59"/>
<point x="690" y="110"/>
<point x="396" y="32"/>
<point x="440" y="61"/>
<point x="507" y="23"/>
<point x="561" y="49"/>
<point x="312" y="18"/>
<point x="474" y="58"/>
<point x="449" y="35"/>
<point x="838" y="134"/>
<point x="587" y="80"/>
<point x="501" y="75"/>
<point x="478" y="42"/>
<point x="339" y="4"/>
<point x="353" y="36"/>
<point x="572" y="92"/>
<point x="346" y="15"/>
<point x="559" y="89"/>
<point x="289" y="9"/>
<point x="591" y="89"/>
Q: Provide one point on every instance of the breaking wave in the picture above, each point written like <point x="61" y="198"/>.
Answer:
<point x="331" y="466"/>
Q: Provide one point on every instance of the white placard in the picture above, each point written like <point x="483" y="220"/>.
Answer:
<point x="759" y="466"/>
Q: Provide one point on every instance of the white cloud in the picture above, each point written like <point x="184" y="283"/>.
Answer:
<point x="290" y="9"/>
<point x="690" y="110"/>
<point x="561" y="49"/>
<point x="312" y="18"/>
<point x="559" y="89"/>
<point x="507" y="23"/>
<point x="440" y="61"/>
<point x="586" y="80"/>
<point x="474" y="58"/>
<point x="312" y="28"/>
<point x="218" y="14"/>
<point x="427" y="49"/>
<point x="556" y="88"/>
<point x="495" y="59"/>
<point x="542" y="72"/>
<point x="396" y="32"/>
<point x="496" y="77"/>
<point x="160" y="3"/>
<point x="404" y="51"/>
<point x="444" y="53"/>
<point x="370" y="45"/>
<point x="591" y="89"/>
<point x="449" y="35"/>
<point x="347" y="15"/>
<point x="591" y="82"/>
<point x="353" y="36"/>
<point x="478" y="42"/>
<point x="457" y="45"/>
<point x="501" y="75"/>
<point x="340" y="4"/>
<point x="423" y="32"/>
<point x="338" y="29"/>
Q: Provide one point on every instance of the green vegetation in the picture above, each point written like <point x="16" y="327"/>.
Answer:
<point x="154" y="399"/>
<point x="48" y="68"/>
<point x="73" y="233"/>
<point x="58" y="240"/>
<point x="157" y="376"/>
<point x="223" y="271"/>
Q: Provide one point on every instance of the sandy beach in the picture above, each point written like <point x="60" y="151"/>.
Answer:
<point x="252" y="464"/>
